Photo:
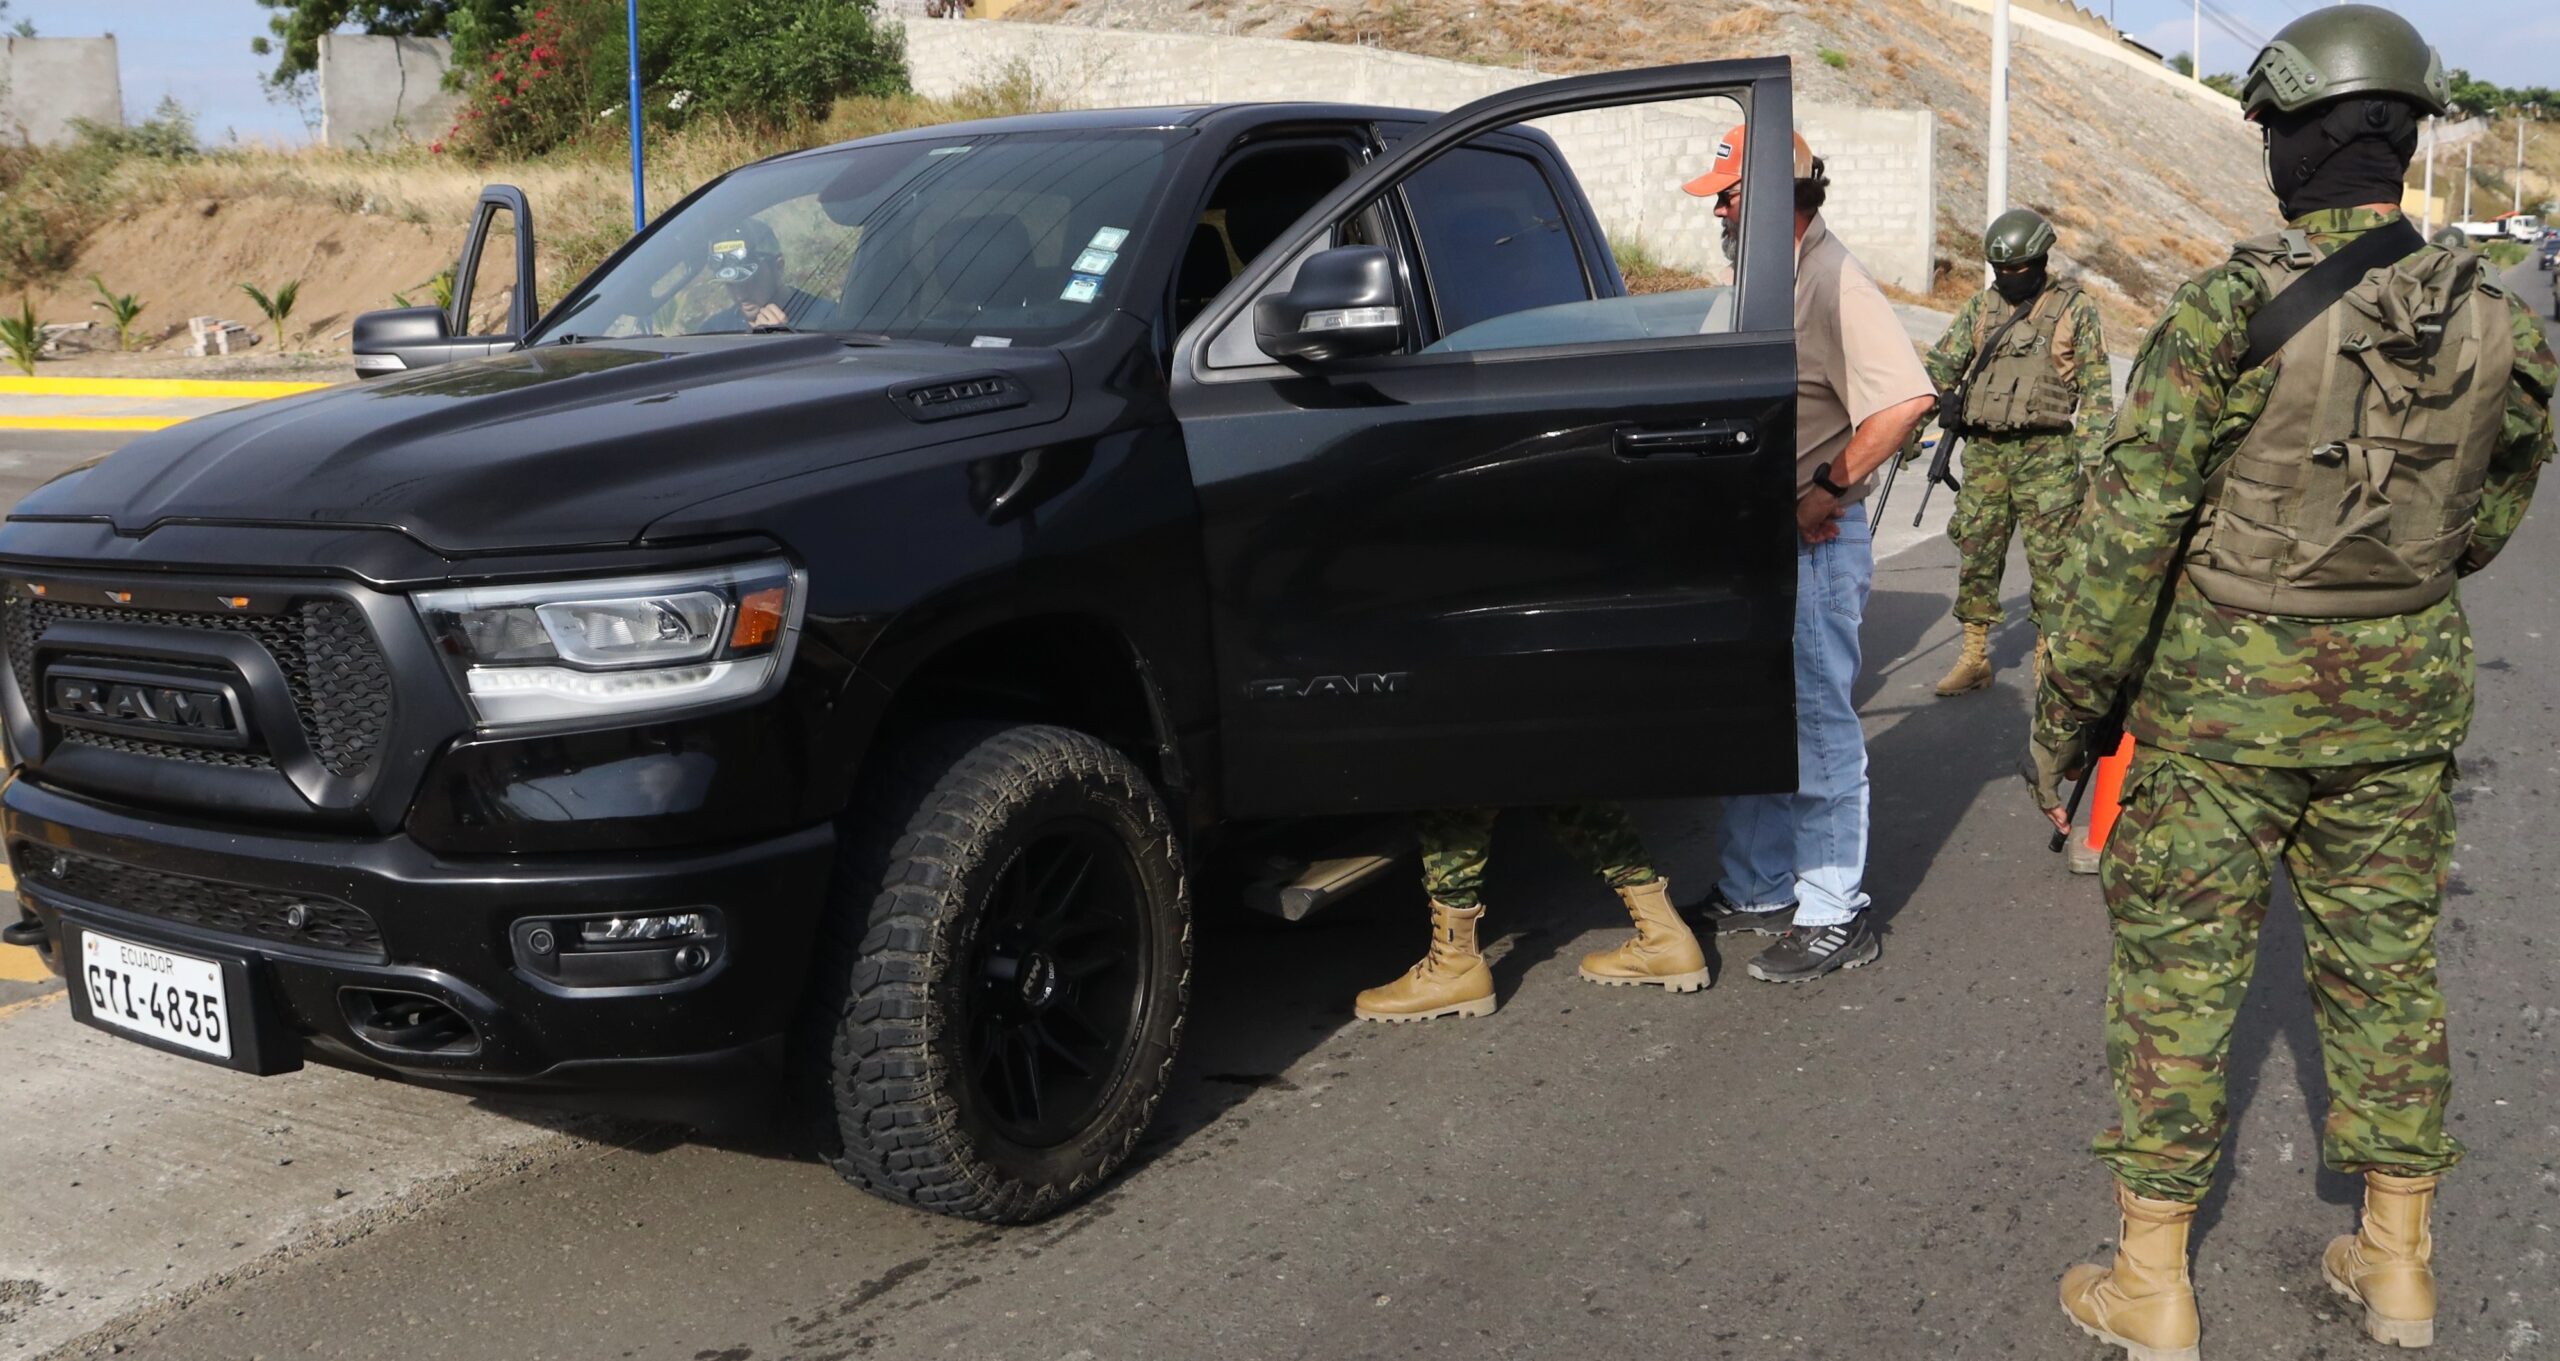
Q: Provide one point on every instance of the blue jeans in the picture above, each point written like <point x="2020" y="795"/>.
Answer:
<point x="1810" y="847"/>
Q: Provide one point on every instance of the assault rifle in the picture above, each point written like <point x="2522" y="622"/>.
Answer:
<point x="1942" y="464"/>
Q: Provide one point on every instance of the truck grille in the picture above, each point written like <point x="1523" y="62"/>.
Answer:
<point x="232" y="909"/>
<point x="341" y="686"/>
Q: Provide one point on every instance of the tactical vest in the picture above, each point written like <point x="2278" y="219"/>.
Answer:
<point x="2020" y="388"/>
<point x="2352" y="496"/>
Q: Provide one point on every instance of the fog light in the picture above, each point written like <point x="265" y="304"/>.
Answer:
<point x="628" y="930"/>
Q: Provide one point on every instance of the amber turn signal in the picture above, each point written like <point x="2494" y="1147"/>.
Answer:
<point x="759" y="618"/>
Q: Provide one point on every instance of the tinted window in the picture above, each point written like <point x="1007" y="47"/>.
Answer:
<point x="1013" y="237"/>
<point x="1493" y="237"/>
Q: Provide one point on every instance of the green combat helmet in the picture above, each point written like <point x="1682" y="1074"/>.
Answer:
<point x="2450" y="237"/>
<point x="2016" y="237"/>
<point x="2342" y="50"/>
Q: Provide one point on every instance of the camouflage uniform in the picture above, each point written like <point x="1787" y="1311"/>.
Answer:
<point x="1457" y="842"/>
<point x="2029" y="481"/>
<point x="2326" y="743"/>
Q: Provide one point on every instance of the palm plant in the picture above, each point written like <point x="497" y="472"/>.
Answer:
<point x="122" y="308"/>
<point x="277" y="306"/>
<point x="22" y="336"/>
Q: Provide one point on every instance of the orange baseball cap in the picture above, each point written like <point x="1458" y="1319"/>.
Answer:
<point x="1727" y="171"/>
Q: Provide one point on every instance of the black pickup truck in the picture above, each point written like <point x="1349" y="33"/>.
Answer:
<point x="814" y="655"/>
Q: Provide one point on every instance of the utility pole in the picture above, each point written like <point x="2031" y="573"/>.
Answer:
<point x="2428" y="215"/>
<point x="2466" y="181"/>
<point x="2195" y="49"/>
<point x="2518" y="205"/>
<point x="1995" y="189"/>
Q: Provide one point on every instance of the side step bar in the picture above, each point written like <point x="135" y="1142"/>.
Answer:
<point x="1292" y="896"/>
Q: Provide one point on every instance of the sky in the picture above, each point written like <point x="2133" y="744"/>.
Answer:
<point x="198" y="50"/>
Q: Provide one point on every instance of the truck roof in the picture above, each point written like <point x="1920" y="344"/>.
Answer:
<point x="1212" y="118"/>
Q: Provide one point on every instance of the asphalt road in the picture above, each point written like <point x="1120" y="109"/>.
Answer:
<point x="1889" y="1164"/>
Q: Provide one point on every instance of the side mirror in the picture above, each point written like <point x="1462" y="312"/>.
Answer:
<point x="386" y="341"/>
<point x="1342" y="306"/>
<point x="498" y="254"/>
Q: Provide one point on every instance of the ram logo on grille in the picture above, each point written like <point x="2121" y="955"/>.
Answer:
<point x="129" y="704"/>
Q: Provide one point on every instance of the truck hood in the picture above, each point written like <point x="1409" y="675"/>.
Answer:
<point x="562" y="446"/>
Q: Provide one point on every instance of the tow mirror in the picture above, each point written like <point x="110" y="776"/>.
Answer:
<point x="493" y="282"/>
<point x="1343" y="305"/>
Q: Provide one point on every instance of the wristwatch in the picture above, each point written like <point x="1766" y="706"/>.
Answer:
<point x="1822" y="479"/>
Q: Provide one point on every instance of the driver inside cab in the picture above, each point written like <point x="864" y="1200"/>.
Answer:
<point x="748" y="262"/>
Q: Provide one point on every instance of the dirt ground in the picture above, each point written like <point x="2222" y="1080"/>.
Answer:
<point x="188" y="258"/>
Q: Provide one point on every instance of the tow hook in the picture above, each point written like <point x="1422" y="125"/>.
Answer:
<point x="26" y="931"/>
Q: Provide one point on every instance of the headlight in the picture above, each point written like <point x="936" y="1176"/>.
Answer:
<point x="575" y="651"/>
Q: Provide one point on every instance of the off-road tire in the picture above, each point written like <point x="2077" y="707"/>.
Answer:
<point x="881" y="1045"/>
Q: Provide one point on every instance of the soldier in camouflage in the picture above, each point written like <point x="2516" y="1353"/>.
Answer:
<point x="2035" y="406"/>
<point x="1457" y="843"/>
<point x="2269" y="553"/>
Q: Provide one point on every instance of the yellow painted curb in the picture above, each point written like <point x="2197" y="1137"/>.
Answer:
<point x="90" y="422"/>
<point x="18" y="964"/>
<point x="150" y="387"/>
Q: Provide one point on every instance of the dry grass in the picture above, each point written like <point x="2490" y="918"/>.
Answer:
<point x="360" y="228"/>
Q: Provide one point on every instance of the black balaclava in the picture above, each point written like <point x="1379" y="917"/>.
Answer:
<point x="2019" y="285"/>
<point x="2339" y="155"/>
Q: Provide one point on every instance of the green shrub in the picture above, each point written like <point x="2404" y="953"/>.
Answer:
<point x="770" y="63"/>
<point x="1834" y="58"/>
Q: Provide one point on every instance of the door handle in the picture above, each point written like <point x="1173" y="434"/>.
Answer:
<point x="1025" y="472"/>
<point x="1706" y="439"/>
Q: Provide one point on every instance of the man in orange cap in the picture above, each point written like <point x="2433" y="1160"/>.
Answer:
<point x="1793" y="864"/>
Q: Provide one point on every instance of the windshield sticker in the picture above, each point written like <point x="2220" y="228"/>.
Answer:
<point x="990" y="342"/>
<point x="1109" y="238"/>
<point x="949" y="151"/>
<point x="1096" y="262"/>
<point x="1082" y="288"/>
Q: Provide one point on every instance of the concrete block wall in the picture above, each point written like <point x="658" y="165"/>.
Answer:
<point x="1630" y="161"/>
<point x="46" y="83"/>
<point x="381" y="89"/>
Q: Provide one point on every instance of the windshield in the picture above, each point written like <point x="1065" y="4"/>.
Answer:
<point x="966" y="240"/>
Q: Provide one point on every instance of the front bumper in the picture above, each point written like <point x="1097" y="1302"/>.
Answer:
<point x="386" y="917"/>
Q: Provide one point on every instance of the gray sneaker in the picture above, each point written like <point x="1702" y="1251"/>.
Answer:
<point x="1721" y="916"/>
<point x="1806" y="953"/>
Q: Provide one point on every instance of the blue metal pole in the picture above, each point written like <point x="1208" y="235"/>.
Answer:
<point x="639" y="195"/>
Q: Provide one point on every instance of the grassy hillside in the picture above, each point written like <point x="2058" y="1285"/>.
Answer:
<point x="359" y="229"/>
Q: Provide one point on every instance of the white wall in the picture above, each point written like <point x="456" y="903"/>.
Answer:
<point x="1883" y="161"/>
<point x="379" y="89"/>
<point x="45" y="83"/>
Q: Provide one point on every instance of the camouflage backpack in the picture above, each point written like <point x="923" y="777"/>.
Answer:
<point x="2018" y="386"/>
<point x="2352" y="496"/>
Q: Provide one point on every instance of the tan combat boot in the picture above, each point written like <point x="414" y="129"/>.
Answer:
<point x="1451" y="980"/>
<point x="1972" y="670"/>
<point x="2144" y="1302"/>
<point x="2383" y="1265"/>
<point x="1663" y="951"/>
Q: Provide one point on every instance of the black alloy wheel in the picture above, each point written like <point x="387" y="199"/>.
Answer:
<point x="1002" y="973"/>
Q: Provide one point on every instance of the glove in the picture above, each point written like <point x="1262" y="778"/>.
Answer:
<point x="2048" y="767"/>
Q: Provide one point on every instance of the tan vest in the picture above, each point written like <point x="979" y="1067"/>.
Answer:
<point x="2023" y="387"/>
<point x="2352" y="496"/>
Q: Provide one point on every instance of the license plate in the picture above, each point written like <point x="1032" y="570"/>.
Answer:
<point x="157" y="994"/>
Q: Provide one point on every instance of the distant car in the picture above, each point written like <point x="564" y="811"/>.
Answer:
<point x="2550" y="250"/>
